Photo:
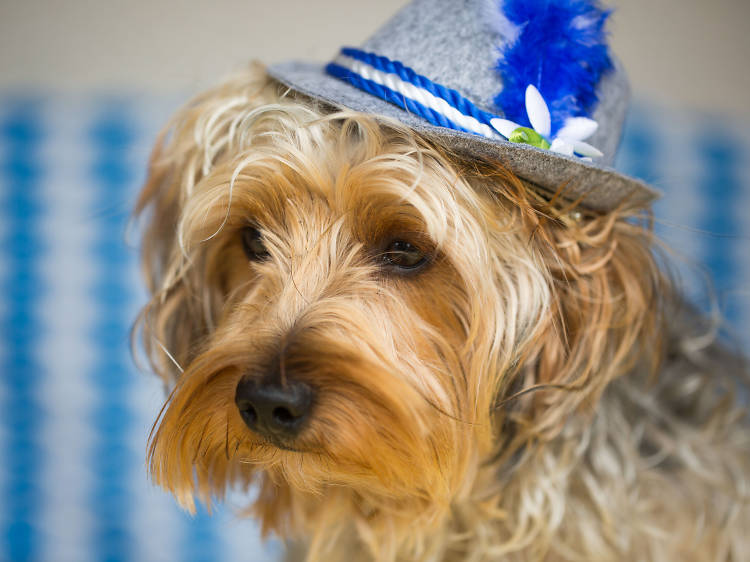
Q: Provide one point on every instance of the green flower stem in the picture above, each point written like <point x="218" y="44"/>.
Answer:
<point x="524" y="135"/>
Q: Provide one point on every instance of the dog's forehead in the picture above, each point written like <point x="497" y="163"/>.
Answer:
<point x="368" y="196"/>
<point x="361" y="213"/>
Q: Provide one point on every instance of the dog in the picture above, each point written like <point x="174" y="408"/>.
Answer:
<point x="404" y="354"/>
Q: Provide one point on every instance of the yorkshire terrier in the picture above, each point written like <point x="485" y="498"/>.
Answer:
<point x="404" y="354"/>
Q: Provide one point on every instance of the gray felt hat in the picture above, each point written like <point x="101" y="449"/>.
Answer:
<point x="439" y="67"/>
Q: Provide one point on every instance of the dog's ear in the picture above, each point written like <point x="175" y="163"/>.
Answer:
<point x="606" y="309"/>
<point x="604" y="313"/>
<point x="195" y="141"/>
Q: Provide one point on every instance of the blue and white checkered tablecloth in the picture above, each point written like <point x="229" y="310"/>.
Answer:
<point x="75" y="412"/>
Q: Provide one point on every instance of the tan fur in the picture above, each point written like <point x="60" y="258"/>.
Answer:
<point x="509" y="401"/>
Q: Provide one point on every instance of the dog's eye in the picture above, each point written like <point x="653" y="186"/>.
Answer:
<point x="252" y="242"/>
<point x="404" y="255"/>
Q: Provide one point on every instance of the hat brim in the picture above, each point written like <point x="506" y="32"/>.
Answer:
<point x="594" y="187"/>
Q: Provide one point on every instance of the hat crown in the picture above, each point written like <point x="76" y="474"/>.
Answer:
<point x="449" y="42"/>
<point x="457" y="44"/>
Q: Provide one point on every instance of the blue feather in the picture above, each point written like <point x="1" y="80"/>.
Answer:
<point x="560" y="48"/>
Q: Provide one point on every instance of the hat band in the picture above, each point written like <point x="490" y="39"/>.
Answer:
<point x="402" y="86"/>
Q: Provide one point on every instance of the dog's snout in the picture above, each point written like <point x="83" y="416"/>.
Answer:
<point x="273" y="409"/>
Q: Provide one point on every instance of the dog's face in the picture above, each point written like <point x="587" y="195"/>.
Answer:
<point x="348" y="308"/>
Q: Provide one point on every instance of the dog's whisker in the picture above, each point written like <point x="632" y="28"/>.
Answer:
<point x="168" y="354"/>
<point x="442" y="411"/>
<point x="296" y="287"/>
<point x="200" y="441"/>
<point x="226" y="437"/>
<point x="537" y="388"/>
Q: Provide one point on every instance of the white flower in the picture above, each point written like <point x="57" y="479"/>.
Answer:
<point x="569" y="139"/>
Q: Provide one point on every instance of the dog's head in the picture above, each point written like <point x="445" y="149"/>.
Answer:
<point x="351" y="317"/>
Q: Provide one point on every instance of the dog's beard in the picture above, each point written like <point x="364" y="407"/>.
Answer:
<point x="380" y="410"/>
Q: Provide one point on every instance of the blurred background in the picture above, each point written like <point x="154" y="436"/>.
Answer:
<point x="84" y="88"/>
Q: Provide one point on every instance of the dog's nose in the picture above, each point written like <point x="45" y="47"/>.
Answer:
<point x="273" y="409"/>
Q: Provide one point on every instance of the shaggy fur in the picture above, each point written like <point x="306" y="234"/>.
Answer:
<point x="525" y="396"/>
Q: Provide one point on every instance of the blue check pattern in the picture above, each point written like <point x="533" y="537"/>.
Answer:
<point x="75" y="411"/>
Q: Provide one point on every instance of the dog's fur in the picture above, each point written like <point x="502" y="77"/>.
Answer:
<point x="524" y="396"/>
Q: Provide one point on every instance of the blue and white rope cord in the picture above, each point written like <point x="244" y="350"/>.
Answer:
<point x="402" y="86"/>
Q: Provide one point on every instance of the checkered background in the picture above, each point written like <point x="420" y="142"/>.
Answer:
<point x="75" y="412"/>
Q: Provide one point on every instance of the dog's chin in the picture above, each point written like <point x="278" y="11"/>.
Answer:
<point x="289" y="446"/>
<point x="308" y="467"/>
